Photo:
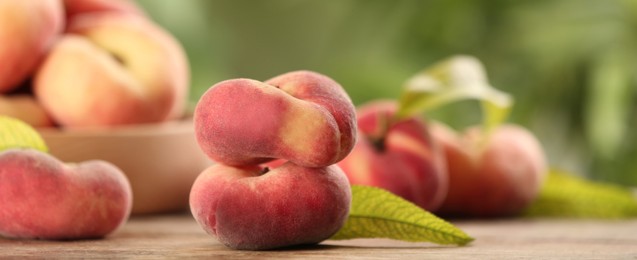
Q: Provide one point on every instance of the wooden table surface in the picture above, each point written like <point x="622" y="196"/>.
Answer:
<point x="179" y="236"/>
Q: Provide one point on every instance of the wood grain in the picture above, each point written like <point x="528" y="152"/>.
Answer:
<point x="179" y="236"/>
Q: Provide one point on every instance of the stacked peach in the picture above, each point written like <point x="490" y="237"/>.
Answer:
<point x="304" y="118"/>
<point x="81" y="63"/>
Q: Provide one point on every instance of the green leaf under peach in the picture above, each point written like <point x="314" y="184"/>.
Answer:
<point x="17" y="134"/>
<point x="377" y="213"/>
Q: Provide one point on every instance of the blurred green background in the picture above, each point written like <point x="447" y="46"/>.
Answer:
<point x="570" y="64"/>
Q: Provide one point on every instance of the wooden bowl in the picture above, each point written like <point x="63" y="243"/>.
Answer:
<point x="160" y="160"/>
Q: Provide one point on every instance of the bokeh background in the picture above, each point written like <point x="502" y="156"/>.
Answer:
<point x="571" y="65"/>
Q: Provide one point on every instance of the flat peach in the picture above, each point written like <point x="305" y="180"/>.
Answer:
<point x="45" y="199"/>
<point x="303" y="117"/>
<point x="256" y="208"/>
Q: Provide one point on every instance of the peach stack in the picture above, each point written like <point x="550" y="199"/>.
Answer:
<point x="302" y="118"/>
<point x="86" y="63"/>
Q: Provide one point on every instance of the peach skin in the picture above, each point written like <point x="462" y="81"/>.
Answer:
<point x="77" y="7"/>
<point x="25" y="108"/>
<point x="255" y="208"/>
<point x="42" y="198"/>
<point x="302" y="116"/>
<point x="113" y="69"/>
<point x="399" y="156"/>
<point x="28" y="28"/>
<point x="497" y="178"/>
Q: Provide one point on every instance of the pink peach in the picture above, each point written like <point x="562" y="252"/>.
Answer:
<point x="45" y="199"/>
<point x="255" y="208"/>
<point x="399" y="156"/>
<point x="113" y="69"/>
<point x="301" y="116"/>
<point x="27" y="30"/>
<point x="497" y="177"/>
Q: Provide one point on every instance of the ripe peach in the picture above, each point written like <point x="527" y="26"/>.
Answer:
<point x="255" y="208"/>
<point x="398" y="156"/>
<point x="43" y="198"/>
<point x="301" y="116"/>
<point x="25" y="108"/>
<point x="113" y="69"/>
<point x="27" y="30"/>
<point x="491" y="178"/>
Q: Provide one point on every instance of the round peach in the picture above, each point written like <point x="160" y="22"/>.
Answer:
<point x="28" y="28"/>
<point x="399" y="156"/>
<point x="113" y="69"/>
<point x="496" y="177"/>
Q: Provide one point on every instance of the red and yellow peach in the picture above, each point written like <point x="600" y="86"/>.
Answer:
<point x="28" y="28"/>
<point x="257" y="208"/>
<point x="399" y="156"/>
<point x="494" y="177"/>
<point x="302" y="116"/>
<point x="113" y="69"/>
<point x="42" y="198"/>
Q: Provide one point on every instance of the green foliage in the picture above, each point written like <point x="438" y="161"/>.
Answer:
<point x="17" y="134"/>
<point x="565" y="195"/>
<point x="377" y="213"/>
<point x="568" y="63"/>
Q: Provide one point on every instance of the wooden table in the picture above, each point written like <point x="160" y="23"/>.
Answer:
<point x="179" y="236"/>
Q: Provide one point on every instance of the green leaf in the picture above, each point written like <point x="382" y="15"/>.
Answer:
<point x="377" y="213"/>
<point x="566" y="195"/>
<point x="454" y="79"/>
<point x="17" y="134"/>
